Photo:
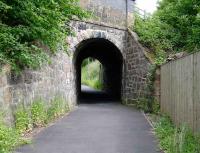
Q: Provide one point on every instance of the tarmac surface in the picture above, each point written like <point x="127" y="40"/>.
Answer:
<point x="98" y="127"/>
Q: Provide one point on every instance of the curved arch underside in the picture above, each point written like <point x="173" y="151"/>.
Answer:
<point x="111" y="59"/>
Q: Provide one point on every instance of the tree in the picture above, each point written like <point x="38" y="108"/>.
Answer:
<point x="174" y="27"/>
<point x="24" y="24"/>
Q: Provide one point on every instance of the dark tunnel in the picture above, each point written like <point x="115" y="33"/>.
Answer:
<point x="112" y="62"/>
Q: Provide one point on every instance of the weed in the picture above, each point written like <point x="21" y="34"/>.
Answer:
<point x="38" y="113"/>
<point x="22" y="120"/>
<point x="176" y="140"/>
<point x="57" y="108"/>
<point x="9" y="138"/>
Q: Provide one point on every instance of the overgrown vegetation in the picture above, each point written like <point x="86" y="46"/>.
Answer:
<point x="172" y="139"/>
<point x="38" y="113"/>
<point x="26" y="26"/>
<point x="23" y="121"/>
<point x="174" y="27"/>
<point x="57" y="108"/>
<point x="9" y="138"/>
<point x="26" y="118"/>
<point x="91" y="74"/>
<point x="176" y="140"/>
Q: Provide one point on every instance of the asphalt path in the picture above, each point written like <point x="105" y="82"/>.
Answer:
<point x="99" y="127"/>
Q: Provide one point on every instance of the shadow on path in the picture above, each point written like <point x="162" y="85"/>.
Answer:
<point x="90" y="95"/>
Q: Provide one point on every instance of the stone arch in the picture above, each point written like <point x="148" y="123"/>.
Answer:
<point x="82" y="35"/>
<point x="107" y="53"/>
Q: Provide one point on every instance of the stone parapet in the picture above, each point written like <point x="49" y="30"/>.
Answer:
<point x="110" y="12"/>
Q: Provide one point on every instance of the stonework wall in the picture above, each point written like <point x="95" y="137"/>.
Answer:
<point x="135" y="70"/>
<point x="110" y="12"/>
<point x="157" y="84"/>
<point x="58" y="78"/>
<point x="51" y="80"/>
<point x="5" y="94"/>
<point x="85" y="30"/>
<point x="136" y="65"/>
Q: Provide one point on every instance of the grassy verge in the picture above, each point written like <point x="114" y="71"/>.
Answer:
<point x="91" y="75"/>
<point x="39" y="114"/>
<point x="173" y="139"/>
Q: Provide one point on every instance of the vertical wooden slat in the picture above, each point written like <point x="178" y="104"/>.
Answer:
<point x="180" y="95"/>
<point x="196" y="93"/>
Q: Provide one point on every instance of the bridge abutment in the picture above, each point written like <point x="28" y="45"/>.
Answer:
<point x="116" y="47"/>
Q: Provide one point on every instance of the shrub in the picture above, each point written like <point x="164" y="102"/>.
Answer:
<point x="38" y="113"/>
<point x="27" y="25"/>
<point x="173" y="28"/>
<point x="22" y="120"/>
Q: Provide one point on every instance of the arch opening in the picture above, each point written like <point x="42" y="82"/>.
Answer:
<point x="111" y="60"/>
<point x="92" y="74"/>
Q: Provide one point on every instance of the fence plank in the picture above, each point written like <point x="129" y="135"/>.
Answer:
<point x="180" y="96"/>
<point x="196" y="88"/>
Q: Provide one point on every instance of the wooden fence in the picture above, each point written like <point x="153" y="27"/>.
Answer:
<point x="180" y="91"/>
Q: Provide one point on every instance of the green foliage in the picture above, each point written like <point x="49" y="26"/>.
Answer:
<point x="91" y="74"/>
<point x="9" y="138"/>
<point x="142" y="104"/>
<point x="176" y="140"/>
<point x="57" y="108"/>
<point x="39" y="116"/>
<point x="153" y="34"/>
<point x="173" y="28"/>
<point x="22" y="120"/>
<point x="26" y="26"/>
<point x="38" y="113"/>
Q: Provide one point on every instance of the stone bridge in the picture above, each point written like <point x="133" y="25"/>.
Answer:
<point x="105" y="38"/>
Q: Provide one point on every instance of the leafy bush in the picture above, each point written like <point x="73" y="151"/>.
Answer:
<point x="27" y="25"/>
<point x="176" y="140"/>
<point x="91" y="74"/>
<point x="38" y="113"/>
<point x="174" y="27"/>
<point x="9" y="138"/>
<point x="57" y="108"/>
<point x="22" y="120"/>
<point x="153" y="34"/>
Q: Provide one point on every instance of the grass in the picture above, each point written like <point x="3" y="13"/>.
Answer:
<point x="57" y="108"/>
<point x="176" y="140"/>
<point x="37" y="115"/>
<point x="23" y="122"/>
<point x="91" y="74"/>
<point x="9" y="138"/>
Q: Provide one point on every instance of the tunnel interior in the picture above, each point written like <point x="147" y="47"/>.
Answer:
<point x="112" y="64"/>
